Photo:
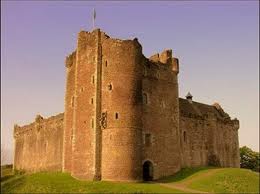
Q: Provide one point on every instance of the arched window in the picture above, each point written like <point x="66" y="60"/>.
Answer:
<point x="184" y="136"/>
<point x="145" y="98"/>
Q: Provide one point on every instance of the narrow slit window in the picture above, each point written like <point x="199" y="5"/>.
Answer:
<point x="106" y="63"/>
<point x="93" y="79"/>
<point x="145" y="98"/>
<point x="92" y="101"/>
<point x="184" y="136"/>
<point x="147" y="139"/>
<point x="116" y="115"/>
<point x="92" y="123"/>
<point x="72" y="101"/>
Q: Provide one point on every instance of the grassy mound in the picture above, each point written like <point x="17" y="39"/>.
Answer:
<point x="228" y="180"/>
<point x="63" y="182"/>
<point x="216" y="180"/>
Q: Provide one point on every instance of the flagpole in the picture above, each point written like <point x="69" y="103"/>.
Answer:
<point x="94" y="17"/>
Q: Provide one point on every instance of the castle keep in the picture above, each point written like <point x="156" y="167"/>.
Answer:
<point x="124" y="119"/>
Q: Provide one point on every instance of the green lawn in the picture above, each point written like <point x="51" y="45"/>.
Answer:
<point x="63" y="182"/>
<point x="185" y="174"/>
<point x="218" y="180"/>
<point x="229" y="180"/>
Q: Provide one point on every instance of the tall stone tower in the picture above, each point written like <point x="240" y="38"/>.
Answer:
<point x="103" y="108"/>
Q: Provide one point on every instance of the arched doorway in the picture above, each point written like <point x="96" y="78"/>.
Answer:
<point x="148" y="171"/>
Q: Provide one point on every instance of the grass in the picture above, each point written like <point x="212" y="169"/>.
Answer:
<point x="6" y="173"/>
<point x="215" y="180"/>
<point x="184" y="174"/>
<point x="63" y="182"/>
<point x="229" y="180"/>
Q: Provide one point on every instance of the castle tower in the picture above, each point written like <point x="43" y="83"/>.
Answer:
<point x="122" y="103"/>
<point x="103" y="108"/>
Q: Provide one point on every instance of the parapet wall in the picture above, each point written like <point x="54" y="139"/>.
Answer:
<point x="38" y="146"/>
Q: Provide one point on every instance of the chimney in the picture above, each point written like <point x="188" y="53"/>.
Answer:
<point x="189" y="97"/>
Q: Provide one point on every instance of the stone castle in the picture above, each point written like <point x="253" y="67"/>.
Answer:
<point x="124" y="120"/>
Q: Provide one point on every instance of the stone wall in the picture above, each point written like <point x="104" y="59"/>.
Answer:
<point x="83" y="146"/>
<point x="208" y="136"/>
<point x="38" y="146"/>
<point x="161" y="114"/>
<point x="69" y="111"/>
<point x="122" y="103"/>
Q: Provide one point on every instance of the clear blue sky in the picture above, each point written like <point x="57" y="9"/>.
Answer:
<point x="216" y="42"/>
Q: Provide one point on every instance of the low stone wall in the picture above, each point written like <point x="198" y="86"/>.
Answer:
<point x="38" y="146"/>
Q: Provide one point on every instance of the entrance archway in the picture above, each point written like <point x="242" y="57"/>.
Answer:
<point x="148" y="171"/>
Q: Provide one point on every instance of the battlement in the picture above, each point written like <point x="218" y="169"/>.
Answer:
<point x="69" y="59"/>
<point x="39" y="120"/>
<point x="165" y="58"/>
<point x="235" y="123"/>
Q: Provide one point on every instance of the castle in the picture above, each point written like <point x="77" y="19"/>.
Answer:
<point x="124" y="120"/>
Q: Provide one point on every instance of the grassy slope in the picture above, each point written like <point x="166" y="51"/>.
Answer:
<point x="221" y="180"/>
<point x="62" y="182"/>
<point x="231" y="180"/>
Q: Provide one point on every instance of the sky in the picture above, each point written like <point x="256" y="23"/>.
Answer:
<point x="217" y="44"/>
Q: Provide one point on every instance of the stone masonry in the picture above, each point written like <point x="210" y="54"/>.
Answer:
<point x="124" y="120"/>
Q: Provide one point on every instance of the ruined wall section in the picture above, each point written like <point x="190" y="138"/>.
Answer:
<point x="122" y="110"/>
<point x="69" y="111"/>
<point x="38" y="146"/>
<point x="161" y="114"/>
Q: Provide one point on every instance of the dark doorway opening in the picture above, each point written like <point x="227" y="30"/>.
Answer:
<point x="148" y="171"/>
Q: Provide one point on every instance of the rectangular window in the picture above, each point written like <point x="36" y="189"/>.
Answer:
<point x="92" y="123"/>
<point x="93" y="79"/>
<point x="147" y="139"/>
<point x="184" y="136"/>
<point x="145" y="98"/>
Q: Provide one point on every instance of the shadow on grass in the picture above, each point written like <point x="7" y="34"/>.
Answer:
<point x="183" y="174"/>
<point x="5" y="178"/>
<point x="14" y="181"/>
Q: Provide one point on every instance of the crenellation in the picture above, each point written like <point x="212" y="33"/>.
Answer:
<point x="166" y="57"/>
<point x="69" y="59"/>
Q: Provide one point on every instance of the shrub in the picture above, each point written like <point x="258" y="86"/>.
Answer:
<point x="249" y="159"/>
